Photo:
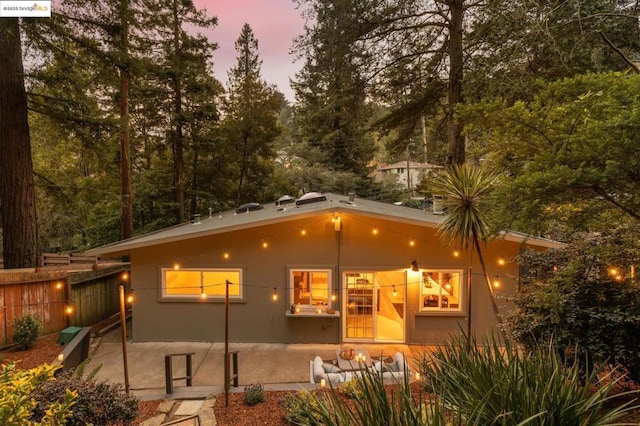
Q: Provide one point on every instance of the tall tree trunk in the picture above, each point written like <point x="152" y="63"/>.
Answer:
<point x="194" y="180"/>
<point x="125" y="143"/>
<point x="177" y="104"/>
<point x="243" y="168"/>
<point x="19" y="218"/>
<point x="456" y="149"/>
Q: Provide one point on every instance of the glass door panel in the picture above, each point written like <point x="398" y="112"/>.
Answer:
<point x="358" y="300"/>
<point x="389" y="318"/>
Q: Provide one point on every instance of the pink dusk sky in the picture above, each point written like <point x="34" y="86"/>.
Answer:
<point x="275" y="23"/>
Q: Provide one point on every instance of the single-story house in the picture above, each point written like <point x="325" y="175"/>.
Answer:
<point x="323" y="268"/>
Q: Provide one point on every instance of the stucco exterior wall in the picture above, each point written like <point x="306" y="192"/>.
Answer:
<point x="354" y="247"/>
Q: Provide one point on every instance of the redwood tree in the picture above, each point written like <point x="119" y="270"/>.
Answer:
<point x="19" y="224"/>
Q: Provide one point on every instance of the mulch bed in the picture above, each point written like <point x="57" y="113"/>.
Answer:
<point x="238" y="413"/>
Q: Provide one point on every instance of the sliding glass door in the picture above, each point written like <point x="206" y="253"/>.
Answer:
<point x="373" y="306"/>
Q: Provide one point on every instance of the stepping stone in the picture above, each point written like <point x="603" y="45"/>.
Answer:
<point x="166" y="406"/>
<point x="188" y="408"/>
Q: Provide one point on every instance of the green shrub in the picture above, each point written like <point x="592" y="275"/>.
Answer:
<point x="97" y="403"/>
<point x="377" y="404"/>
<point x="253" y="394"/>
<point x="494" y="384"/>
<point x="351" y="389"/>
<point x="301" y="408"/>
<point x="26" y="329"/>
<point x="584" y="297"/>
<point x="17" y="403"/>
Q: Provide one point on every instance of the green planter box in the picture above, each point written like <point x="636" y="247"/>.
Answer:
<point x="68" y="334"/>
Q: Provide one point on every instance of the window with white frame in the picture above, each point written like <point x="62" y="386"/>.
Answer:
<point x="440" y="290"/>
<point x="310" y="287"/>
<point x="198" y="283"/>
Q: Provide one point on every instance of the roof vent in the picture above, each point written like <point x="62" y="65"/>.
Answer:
<point x="248" y="207"/>
<point x="310" y="197"/>
<point x="438" y="204"/>
<point x="196" y="219"/>
<point x="285" y="199"/>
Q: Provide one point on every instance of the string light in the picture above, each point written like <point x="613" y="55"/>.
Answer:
<point x="59" y="285"/>
<point x="265" y="244"/>
<point x="496" y="283"/>
<point x="375" y="230"/>
<point x="334" y="295"/>
<point x="225" y="255"/>
<point x="68" y="310"/>
<point x="130" y="298"/>
<point x="303" y="232"/>
<point x="274" y="297"/>
<point x="176" y="266"/>
<point x="395" y="293"/>
<point x="337" y="223"/>
<point x="412" y="242"/>
<point x="501" y="262"/>
<point x="456" y="253"/>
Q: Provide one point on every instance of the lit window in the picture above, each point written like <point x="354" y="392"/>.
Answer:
<point x="310" y="287"/>
<point x="440" y="290"/>
<point x="193" y="283"/>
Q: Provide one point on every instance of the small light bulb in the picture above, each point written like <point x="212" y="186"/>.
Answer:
<point x="375" y="230"/>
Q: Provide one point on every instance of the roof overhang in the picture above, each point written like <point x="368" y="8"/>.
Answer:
<point x="230" y="221"/>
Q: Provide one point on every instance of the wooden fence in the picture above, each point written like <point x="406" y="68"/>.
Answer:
<point x="92" y="297"/>
<point x="69" y="261"/>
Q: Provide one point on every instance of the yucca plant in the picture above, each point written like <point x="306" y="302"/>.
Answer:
<point x="516" y="388"/>
<point x="467" y="192"/>
<point x="377" y="404"/>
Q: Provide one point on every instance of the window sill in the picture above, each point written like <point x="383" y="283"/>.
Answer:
<point x="312" y="314"/>
<point x="191" y="299"/>
<point x="440" y="314"/>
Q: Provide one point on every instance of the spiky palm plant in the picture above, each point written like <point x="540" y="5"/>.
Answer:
<point x="466" y="190"/>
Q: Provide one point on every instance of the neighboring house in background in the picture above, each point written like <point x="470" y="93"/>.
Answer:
<point x="404" y="175"/>
<point x="357" y="271"/>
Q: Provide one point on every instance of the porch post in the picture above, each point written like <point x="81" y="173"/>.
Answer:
<point x="226" y="344"/>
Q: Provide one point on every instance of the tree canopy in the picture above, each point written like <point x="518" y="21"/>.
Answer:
<point x="571" y="152"/>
